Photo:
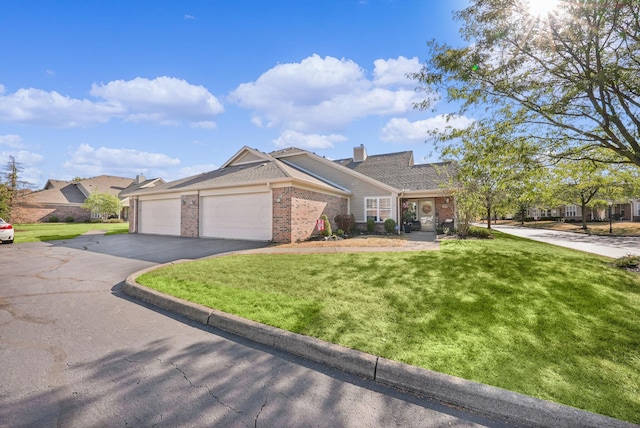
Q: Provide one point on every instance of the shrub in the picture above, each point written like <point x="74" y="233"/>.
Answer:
<point x="340" y="232"/>
<point x="327" y="226"/>
<point x="53" y="219"/>
<point x="627" y="262"/>
<point x="480" y="232"/>
<point x="115" y="220"/>
<point x="390" y="225"/>
<point x="345" y="222"/>
<point x="69" y="219"/>
<point x="371" y="225"/>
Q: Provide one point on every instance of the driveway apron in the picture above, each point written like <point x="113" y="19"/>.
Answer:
<point x="77" y="352"/>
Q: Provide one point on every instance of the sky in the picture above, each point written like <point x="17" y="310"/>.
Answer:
<point x="171" y="89"/>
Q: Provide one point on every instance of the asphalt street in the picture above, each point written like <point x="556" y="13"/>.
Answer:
<point x="77" y="352"/>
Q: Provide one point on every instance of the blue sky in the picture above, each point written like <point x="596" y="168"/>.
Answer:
<point x="171" y="89"/>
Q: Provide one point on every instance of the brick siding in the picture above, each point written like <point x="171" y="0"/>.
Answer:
<point x="190" y="216"/>
<point x="295" y="215"/>
<point x="41" y="213"/>
<point x="133" y="215"/>
<point x="444" y="209"/>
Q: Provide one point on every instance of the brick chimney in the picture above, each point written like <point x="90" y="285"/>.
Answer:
<point x="359" y="153"/>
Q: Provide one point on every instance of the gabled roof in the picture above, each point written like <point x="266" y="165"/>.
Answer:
<point x="294" y="151"/>
<point x="77" y="191"/>
<point x="394" y="172"/>
<point x="104" y="184"/>
<point x="238" y="171"/>
<point x="247" y="155"/>
<point x="399" y="171"/>
<point x="57" y="192"/>
<point x="137" y="186"/>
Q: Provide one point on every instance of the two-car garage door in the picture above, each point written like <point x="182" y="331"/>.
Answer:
<point x="237" y="216"/>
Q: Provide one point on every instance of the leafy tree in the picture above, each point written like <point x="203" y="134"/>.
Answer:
<point x="104" y="204"/>
<point x="572" y="75"/>
<point x="590" y="184"/>
<point x="493" y="163"/>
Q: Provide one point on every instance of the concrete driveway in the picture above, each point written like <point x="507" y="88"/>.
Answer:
<point x="609" y="246"/>
<point x="76" y="352"/>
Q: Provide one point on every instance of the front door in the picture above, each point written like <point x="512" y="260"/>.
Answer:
<point x="426" y="214"/>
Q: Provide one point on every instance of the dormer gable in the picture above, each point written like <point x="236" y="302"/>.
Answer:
<point x="247" y="155"/>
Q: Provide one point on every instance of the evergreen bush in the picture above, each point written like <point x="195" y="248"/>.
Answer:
<point x="390" y="225"/>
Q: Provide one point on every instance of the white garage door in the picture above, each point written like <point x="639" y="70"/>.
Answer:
<point x="245" y="216"/>
<point x="161" y="216"/>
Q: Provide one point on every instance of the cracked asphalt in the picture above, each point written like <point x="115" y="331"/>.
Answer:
<point x="76" y="352"/>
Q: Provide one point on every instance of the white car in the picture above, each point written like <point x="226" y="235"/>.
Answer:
<point x="6" y="232"/>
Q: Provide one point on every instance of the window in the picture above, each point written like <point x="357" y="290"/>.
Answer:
<point x="571" y="211"/>
<point x="378" y="209"/>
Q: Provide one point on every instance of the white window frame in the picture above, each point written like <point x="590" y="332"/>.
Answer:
<point x="571" y="211"/>
<point x="379" y="212"/>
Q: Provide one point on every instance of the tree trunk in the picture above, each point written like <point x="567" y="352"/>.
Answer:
<point x="488" y="216"/>
<point x="584" y="215"/>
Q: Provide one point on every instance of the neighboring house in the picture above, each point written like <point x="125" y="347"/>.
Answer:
<point x="64" y="199"/>
<point x="279" y="196"/>
<point x="619" y="211"/>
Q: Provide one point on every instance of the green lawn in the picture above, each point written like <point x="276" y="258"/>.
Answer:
<point x="34" y="232"/>
<point x="549" y="322"/>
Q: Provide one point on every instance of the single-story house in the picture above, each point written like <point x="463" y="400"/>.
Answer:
<point x="620" y="211"/>
<point x="64" y="199"/>
<point x="279" y="196"/>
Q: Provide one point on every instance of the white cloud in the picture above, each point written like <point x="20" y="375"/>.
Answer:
<point x="290" y="138"/>
<point x="393" y="72"/>
<point x="401" y="130"/>
<point x="320" y="95"/>
<point x="89" y="161"/>
<point x="204" y="125"/>
<point x="189" y="17"/>
<point x="38" y="107"/>
<point x="11" y="140"/>
<point x="163" y="99"/>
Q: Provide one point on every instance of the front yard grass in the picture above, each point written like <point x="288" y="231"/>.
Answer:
<point x="549" y="322"/>
<point x="34" y="232"/>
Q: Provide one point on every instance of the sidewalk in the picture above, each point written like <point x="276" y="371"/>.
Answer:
<point x="608" y="246"/>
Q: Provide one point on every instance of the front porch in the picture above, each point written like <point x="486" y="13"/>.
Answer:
<point x="425" y="214"/>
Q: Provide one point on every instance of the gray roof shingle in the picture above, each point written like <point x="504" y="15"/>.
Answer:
<point x="397" y="170"/>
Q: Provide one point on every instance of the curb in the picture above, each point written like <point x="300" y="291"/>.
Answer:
<point x="507" y="406"/>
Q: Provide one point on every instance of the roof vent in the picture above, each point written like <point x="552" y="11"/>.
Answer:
<point x="359" y="153"/>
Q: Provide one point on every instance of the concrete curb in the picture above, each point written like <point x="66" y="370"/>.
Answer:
<point x="508" y="406"/>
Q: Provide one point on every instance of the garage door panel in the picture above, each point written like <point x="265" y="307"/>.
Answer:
<point x="245" y="216"/>
<point x="160" y="217"/>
